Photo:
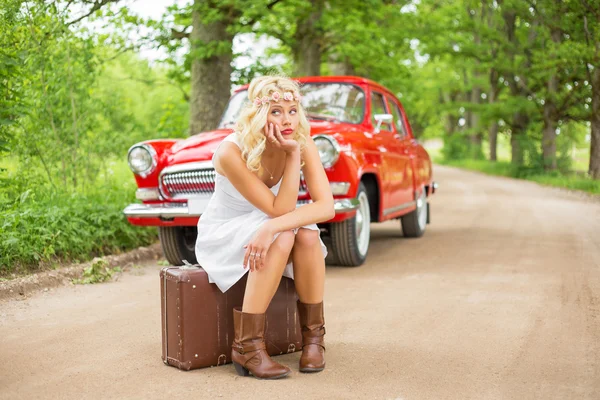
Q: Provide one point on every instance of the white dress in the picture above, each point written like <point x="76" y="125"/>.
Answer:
<point x="228" y="223"/>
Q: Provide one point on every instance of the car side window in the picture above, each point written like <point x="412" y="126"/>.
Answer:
<point x="398" y="121"/>
<point x="378" y="107"/>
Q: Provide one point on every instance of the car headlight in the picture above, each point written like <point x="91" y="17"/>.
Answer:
<point x="329" y="149"/>
<point x="142" y="159"/>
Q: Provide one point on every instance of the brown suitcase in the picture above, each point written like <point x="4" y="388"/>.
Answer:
<point x="197" y="318"/>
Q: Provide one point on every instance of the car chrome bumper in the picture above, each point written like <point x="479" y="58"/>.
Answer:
<point x="178" y="210"/>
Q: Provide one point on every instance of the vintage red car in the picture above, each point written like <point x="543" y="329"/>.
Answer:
<point x="376" y="169"/>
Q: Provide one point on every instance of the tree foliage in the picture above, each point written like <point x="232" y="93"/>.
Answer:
<point x="472" y="72"/>
<point x="509" y="67"/>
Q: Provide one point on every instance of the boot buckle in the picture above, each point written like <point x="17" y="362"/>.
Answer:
<point x="248" y="348"/>
<point x="238" y="348"/>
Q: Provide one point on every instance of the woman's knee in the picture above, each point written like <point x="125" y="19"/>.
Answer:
<point x="285" y="241"/>
<point x="306" y="238"/>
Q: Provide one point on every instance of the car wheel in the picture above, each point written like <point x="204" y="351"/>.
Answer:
<point x="414" y="223"/>
<point x="178" y="243"/>
<point x="350" y="238"/>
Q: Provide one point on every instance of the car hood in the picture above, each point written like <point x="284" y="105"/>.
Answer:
<point x="202" y="146"/>
<point x="334" y="128"/>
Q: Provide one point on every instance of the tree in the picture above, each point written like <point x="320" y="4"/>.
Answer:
<point x="11" y="99"/>
<point x="211" y="54"/>
<point x="591" y="23"/>
<point x="307" y="44"/>
<point x="464" y="37"/>
<point x="55" y="121"/>
<point x="208" y="27"/>
<point x="533" y="56"/>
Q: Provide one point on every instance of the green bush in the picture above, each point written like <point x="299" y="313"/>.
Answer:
<point x="459" y="146"/>
<point x="41" y="229"/>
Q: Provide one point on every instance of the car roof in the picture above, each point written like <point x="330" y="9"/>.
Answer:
<point x="357" y="80"/>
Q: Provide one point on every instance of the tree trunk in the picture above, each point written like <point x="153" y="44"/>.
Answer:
<point x="550" y="124"/>
<point x="594" y="169"/>
<point x="549" y="137"/>
<point x="550" y="115"/>
<point x="342" y="67"/>
<point x="549" y="134"/>
<point x="493" y="131"/>
<point x="450" y="120"/>
<point x="211" y="75"/>
<point x="520" y="119"/>
<point x="466" y="98"/>
<point x="493" y="139"/>
<point x="450" y="124"/>
<point x="475" y="135"/>
<point x="306" y="48"/>
<point x="519" y="127"/>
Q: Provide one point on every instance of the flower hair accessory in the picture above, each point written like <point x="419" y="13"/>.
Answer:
<point x="276" y="96"/>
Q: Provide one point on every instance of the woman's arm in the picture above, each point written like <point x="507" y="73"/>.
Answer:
<point x="229" y="159"/>
<point x="287" y="197"/>
<point x="321" y="209"/>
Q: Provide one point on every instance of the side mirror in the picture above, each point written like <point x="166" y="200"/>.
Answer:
<point x="382" y="118"/>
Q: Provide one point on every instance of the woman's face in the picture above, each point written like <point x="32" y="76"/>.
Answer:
<point x="284" y="114"/>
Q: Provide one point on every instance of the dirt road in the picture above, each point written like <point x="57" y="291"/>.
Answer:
<point x="499" y="300"/>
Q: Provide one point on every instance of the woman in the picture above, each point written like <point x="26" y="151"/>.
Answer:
<point x="252" y="224"/>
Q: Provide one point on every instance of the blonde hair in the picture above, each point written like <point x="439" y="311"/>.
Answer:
<point x="252" y="120"/>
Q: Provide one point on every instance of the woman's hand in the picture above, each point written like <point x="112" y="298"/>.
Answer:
<point x="277" y="140"/>
<point x="257" y="248"/>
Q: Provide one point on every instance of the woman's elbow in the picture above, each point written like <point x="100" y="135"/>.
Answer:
<point x="329" y="210"/>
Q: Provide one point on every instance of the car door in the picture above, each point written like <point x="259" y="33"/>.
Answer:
<point x="383" y="138"/>
<point x="401" y="190"/>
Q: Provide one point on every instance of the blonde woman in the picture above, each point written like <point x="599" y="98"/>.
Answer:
<point x="252" y="225"/>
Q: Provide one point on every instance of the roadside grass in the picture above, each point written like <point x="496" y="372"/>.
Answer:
<point x="98" y="272"/>
<point x="573" y="181"/>
<point x="42" y="228"/>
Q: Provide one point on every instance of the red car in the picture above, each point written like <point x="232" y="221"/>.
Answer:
<point x="376" y="169"/>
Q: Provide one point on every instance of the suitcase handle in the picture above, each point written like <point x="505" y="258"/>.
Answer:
<point x="189" y="266"/>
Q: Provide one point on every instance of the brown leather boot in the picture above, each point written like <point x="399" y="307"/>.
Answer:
<point x="313" y="332"/>
<point x="248" y="351"/>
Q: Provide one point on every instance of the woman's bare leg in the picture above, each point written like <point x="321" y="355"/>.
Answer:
<point x="309" y="266"/>
<point x="262" y="284"/>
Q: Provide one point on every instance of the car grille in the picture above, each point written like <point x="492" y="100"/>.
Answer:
<point x="201" y="181"/>
<point x="185" y="183"/>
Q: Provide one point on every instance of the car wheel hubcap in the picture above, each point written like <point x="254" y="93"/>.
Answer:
<point x="363" y="221"/>
<point x="422" y="210"/>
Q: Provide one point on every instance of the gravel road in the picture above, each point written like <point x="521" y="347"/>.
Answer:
<point x="499" y="300"/>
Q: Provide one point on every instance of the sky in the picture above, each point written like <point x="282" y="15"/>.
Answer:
<point x="151" y="8"/>
<point x="156" y="8"/>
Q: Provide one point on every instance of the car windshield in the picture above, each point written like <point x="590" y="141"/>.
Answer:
<point x="337" y="102"/>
